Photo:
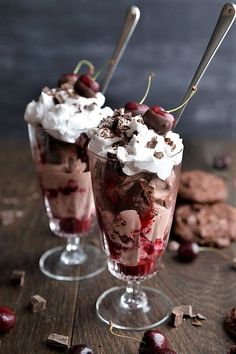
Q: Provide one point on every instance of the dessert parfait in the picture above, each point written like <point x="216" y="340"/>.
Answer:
<point x="135" y="160"/>
<point x="60" y="125"/>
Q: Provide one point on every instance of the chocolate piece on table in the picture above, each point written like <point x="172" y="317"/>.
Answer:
<point x="200" y="316"/>
<point x="37" y="304"/>
<point x="58" y="342"/>
<point x="177" y="317"/>
<point x="202" y="187"/>
<point x="211" y="225"/>
<point x="186" y="309"/>
<point x="230" y="322"/>
<point x="196" y="323"/>
<point x="18" y="277"/>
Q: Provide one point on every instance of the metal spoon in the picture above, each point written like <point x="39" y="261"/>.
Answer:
<point x="224" y="23"/>
<point x="126" y="33"/>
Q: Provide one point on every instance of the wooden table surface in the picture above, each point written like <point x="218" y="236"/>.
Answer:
<point x="208" y="284"/>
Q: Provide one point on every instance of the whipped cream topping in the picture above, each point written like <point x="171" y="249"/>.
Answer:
<point x="65" y="115"/>
<point x="137" y="147"/>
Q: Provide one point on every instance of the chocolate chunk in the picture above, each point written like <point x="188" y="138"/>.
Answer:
<point x="58" y="342"/>
<point x="186" y="309"/>
<point x="177" y="317"/>
<point x="202" y="187"/>
<point x="200" y="316"/>
<point x="230" y="322"/>
<point x="196" y="323"/>
<point x="18" y="277"/>
<point x="37" y="304"/>
<point x="211" y="225"/>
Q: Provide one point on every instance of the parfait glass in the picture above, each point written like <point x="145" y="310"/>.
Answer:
<point x="65" y="181"/>
<point x="135" y="215"/>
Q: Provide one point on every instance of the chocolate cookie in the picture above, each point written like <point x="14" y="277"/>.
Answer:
<point x="202" y="187"/>
<point x="212" y="225"/>
<point x="230" y="322"/>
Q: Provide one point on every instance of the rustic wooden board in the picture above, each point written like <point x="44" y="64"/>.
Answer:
<point x="208" y="284"/>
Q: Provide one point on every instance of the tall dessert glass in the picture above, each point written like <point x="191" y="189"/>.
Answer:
<point x="65" y="182"/>
<point x="135" y="214"/>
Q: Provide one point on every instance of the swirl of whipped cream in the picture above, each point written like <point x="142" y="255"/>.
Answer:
<point x="136" y="146"/>
<point x="65" y="115"/>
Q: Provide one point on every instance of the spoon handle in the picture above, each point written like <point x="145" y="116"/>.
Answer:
<point x="126" y="33"/>
<point x="224" y="23"/>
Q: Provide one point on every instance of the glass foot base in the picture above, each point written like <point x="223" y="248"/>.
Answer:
<point x="155" y="311"/>
<point x="94" y="263"/>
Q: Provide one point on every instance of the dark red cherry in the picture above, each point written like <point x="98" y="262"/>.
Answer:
<point x="222" y="161"/>
<point x="152" y="342"/>
<point x="159" y="120"/>
<point x="188" y="251"/>
<point x="86" y="86"/>
<point x="80" y="349"/>
<point x="67" y="80"/>
<point x="166" y="351"/>
<point x="7" y="319"/>
<point x="136" y="108"/>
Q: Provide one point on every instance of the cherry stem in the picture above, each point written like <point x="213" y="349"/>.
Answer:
<point x="101" y="69"/>
<point x="212" y="249"/>
<point x="150" y="76"/>
<point x="84" y="62"/>
<point x="194" y="90"/>
<point x="121" y="335"/>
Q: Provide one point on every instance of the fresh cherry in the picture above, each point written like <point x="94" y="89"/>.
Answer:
<point x="86" y="86"/>
<point x="67" y="80"/>
<point x="159" y="120"/>
<point x="188" y="251"/>
<point x="136" y="108"/>
<point x="80" y="349"/>
<point x="166" y="351"/>
<point x="7" y="319"/>
<point x="222" y="161"/>
<point x="152" y="342"/>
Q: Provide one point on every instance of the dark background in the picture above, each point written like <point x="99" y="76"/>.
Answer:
<point x="39" y="40"/>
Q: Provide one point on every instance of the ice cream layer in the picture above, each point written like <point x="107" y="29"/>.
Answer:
<point x="65" y="115"/>
<point x="137" y="147"/>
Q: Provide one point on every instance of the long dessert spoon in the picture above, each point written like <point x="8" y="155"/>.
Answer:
<point x="223" y="25"/>
<point x="126" y="33"/>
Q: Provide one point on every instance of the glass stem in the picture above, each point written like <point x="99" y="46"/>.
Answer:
<point x="134" y="297"/>
<point x="73" y="254"/>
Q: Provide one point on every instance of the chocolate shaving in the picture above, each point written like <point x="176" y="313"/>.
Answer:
<point x="186" y="309"/>
<point x="18" y="277"/>
<point x="58" y="342"/>
<point x="159" y="155"/>
<point x="196" y="323"/>
<point x="152" y="144"/>
<point x="37" y="304"/>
